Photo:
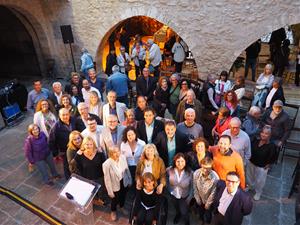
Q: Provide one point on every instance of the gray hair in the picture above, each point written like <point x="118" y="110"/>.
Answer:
<point x="267" y="128"/>
<point x="56" y="83"/>
<point x="82" y="105"/>
<point x="91" y="69"/>
<point x="211" y="77"/>
<point x="235" y="120"/>
<point x="150" y="41"/>
<point x="115" y="68"/>
<point x="176" y="76"/>
<point x="84" y="50"/>
<point x="269" y="66"/>
<point x="189" y="110"/>
<point x="254" y="109"/>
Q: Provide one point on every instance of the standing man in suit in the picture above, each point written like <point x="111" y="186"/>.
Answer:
<point x="55" y="96"/>
<point x="170" y="142"/>
<point x="148" y="128"/>
<point x="113" y="107"/>
<point x="145" y="85"/>
<point x="231" y="203"/>
<point x="111" y="134"/>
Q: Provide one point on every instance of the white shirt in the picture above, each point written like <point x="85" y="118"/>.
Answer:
<point x="176" y="192"/>
<point x="132" y="157"/>
<point x="148" y="167"/>
<point x="225" y="201"/>
<point x="95" y="135"/>
<point x="270" y="96"/>
<point x="154" y="55"/>
<point x="94" y="110"/>
<point x="58" y="97"/>
<point x="86" y="94"/>
<point x="179" y="53"/>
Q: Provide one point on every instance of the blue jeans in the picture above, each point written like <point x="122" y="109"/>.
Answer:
<point x="260" y="97"/>
<point x="252" y="63"/>
<point x="42" y="167"/>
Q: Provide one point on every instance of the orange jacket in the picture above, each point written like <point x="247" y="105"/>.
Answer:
<point x="223" y="164"/>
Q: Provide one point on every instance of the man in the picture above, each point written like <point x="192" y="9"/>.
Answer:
<point x="96" y="81"/>
<point x="111" y="134"/>
<point x="86" y="90"/>
<point x="252" y="53"/>
<point x="119" y="83"/>
<point x="145" y="85"/>
<point x="240" y="141"/>
<point x="170" y="142"/>
<point x="113" y="107"/>
<point x="148" y="128"/>
<point x="75" y="81"/>
<point x="189" y="127"/>
<point x="55" y="96"/>
<point x="93" y="130"/>
<point x="82" y="120"/>
<point x="141" y="104"/>
<point x="111" y="60"/>
<point x="208" y="95"/>
<point x="226" y="160"/>
<point x="279" y="121"/>
<point x="35" y="95"/>
<point x="86" y="62"/>
<point x="231" y="203"/>
<point x="59" y="137"/>
<point x="179" y="50"/>
<point x="154" y="56"/>
<point x="123" y="61"/>
<point x="189" y="102"/>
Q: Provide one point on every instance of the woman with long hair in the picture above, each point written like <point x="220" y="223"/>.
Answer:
<point x="74" y="145"/>
<point x="161" y="97"/>
<point x="231" y="102"/>
<point x="95" y="106"/>
<point x="45" y="116"/>
<point x="222" y="123"/>
<point x="66" y="102"/>
<point x="222" y="86"/>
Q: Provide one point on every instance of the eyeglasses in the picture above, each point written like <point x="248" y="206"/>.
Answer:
<point x="232" y="181"/>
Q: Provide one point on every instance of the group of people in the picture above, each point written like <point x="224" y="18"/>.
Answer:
<point x="206" y="157"/>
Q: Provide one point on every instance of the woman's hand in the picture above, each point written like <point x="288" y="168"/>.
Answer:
<point x="159" y="189"/>
<point x="30" y="167"/>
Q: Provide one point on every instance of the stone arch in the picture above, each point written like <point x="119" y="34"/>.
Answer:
<point x="36" y="31"/>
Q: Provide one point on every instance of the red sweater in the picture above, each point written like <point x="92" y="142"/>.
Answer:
<point x="221" y="128"/>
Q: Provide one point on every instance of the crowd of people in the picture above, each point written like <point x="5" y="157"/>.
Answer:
<point x="205" y="157"/>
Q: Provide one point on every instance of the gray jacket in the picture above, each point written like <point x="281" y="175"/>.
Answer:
<point x="106" y="139"/>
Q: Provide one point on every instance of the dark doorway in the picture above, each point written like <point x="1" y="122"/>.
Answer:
<point x="17" y="54"/>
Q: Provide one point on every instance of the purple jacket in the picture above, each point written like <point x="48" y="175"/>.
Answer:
<point x="36" y="149"/>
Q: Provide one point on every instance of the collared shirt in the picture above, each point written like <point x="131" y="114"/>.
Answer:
<point x="95" y="135"/>
<point x="114" y="135"/>
<point x="241" y="144"/>
<point x="132" y="157"/>
<point x="149" y="131"/>
<point x="58" y="97"/>
<point x="112" y="110"/>
<point x="154" y="55"/>
<point x="171" y="150"/>
<point x="225" y="201"/>
<point x="118" y="82"/>
<point x="270" y="96"/>
<point x="34" y="97"/>
<point x="176" y="192"/>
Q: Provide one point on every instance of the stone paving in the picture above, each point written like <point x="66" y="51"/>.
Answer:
<point x="274" y="208"/>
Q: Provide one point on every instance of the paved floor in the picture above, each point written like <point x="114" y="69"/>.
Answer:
<point x="273" y="208"/>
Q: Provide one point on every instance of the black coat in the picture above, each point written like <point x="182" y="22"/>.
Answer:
<point x="161" y="142"/>
<point x="79" y="124"/>
<point x="141" y="87"/>
<point x="59" y="136"/>
<point x="111" y="60"/>
<point x="54" y="101"/>
<point x="278" y="95"/>
<point x="141" y="130"/>
<point x="240" y="206"/>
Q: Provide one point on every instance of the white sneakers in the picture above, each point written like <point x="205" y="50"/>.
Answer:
<point x="256" y="197"/>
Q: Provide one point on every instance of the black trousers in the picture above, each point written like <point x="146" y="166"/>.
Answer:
<point x="297" y="74"/>
<point x="178" y="66"/>
<point x="119" y="198"/>
<point x="219" y="219"/>
<point x="205" y="215"/>
<point x="144" y="216"/>
<point x="66" y="166"/>
<point x="181" y="208"/>
<point x="156" y="71"/>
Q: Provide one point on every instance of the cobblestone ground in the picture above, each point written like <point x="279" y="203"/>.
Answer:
<point x="273" y="208"/>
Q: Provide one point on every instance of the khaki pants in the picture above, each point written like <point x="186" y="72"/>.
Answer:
<point x="256" y="177"/>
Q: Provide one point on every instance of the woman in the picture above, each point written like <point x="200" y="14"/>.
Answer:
<point x="129" y="118"/>
<point x="146" y="207"/>
<point x="204" y="186"/>
<point x="141" y="106"/>
<point x="76" y="98"/>
<point x="262" y="156"/>
<point x="263" y="84"/>
<point x="184" y="87"/>
<point x="222" y="86"/>
<point x="131" y="148"/>
<point x="75" y="141"/>
<point x="222" y="123"/>
<point x="161" y="97"/>
<point x="179" y="179"/>
<point x="151" y="162"/>
<point x="200" y="150"/>
<point x="174" y="94"/>
<point x="66" y="102"/>
<point x="239" y="88"/>
<point x="89" y="164"/>
<point x="138" y="55"/>
<point x="45" y="116"/>
<point x="276" y="93"/>
<point x="117" y="179"/>
<point x="231" y="102"/>
<point x="95" y="106"/>
<point x="37" y="153"/>
<point x="252" y="124"/>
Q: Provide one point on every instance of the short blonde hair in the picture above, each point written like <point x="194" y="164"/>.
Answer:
<point x="85" y="140"/>
<point x="112" y="149"/>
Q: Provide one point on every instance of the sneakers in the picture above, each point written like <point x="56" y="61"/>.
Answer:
<point x="57" y="177"/>
<point x="256" y="197"/>
<point x="113" y="216"/>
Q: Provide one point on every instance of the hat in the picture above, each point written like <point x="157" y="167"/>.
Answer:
<point x="278" y="103"/>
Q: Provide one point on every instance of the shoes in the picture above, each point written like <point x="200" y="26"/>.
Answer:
<point x="248" y="188"/>
<point x="256" y="197"/>
<point x="124" y="211"/>
<point x="98" y="202"/>
<point x="50" y="183"/>
<point x="57" y="177"/>
<point x="176" y="219"/>
<point x="113" y="216"/>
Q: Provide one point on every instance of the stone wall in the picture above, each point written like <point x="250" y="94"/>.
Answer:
<point x="216" y="31"/>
